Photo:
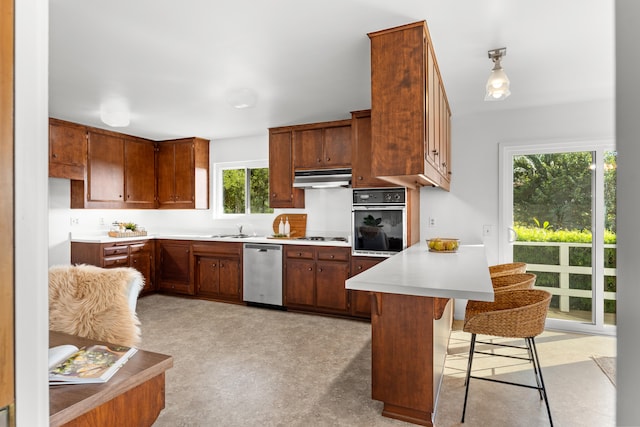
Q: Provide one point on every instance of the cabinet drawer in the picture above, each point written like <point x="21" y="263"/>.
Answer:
<point x="116" y="261"/>
<point x="115" y="250"/>
<point x="221" y="248"/>
<point x="333" y="254"/>
<point x="139" y="247"/>
<point x="298" y="252"/>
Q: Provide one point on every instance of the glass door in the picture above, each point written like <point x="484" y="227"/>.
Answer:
<point x="558" y="216"/>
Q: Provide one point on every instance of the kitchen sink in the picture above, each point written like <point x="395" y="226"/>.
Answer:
<point x="232" y="236"/>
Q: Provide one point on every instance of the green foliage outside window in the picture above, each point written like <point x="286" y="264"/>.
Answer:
<point x="552" y="203"/>
<point x="233" y="184"/>
<point x="259" y="190"/>
<point x="234" y="191"/>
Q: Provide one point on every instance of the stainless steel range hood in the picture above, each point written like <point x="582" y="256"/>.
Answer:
<point x="322" y="178"/>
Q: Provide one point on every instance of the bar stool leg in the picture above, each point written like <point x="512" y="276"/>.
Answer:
<point x="536" y="364"/>
<point x="535" y="368"/>
<point x="466" y="390"/>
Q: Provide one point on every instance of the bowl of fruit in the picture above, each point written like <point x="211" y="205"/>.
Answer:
<point x="442" y="244"/>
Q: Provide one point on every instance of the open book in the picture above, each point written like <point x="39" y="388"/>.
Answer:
<point x="69" y="364"/>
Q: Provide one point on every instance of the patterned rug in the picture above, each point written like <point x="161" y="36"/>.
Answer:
<point x="608" y="366"/>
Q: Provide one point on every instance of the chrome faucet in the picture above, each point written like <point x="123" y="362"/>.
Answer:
<point x="239" y="228"/>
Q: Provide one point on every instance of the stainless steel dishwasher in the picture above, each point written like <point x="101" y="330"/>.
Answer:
<point x="262" y="274"/>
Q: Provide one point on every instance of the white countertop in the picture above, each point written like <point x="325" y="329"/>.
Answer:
<point x="416" y="271"/>
<point x="100" y="238"/>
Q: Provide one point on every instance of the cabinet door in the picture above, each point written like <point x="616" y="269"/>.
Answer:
<point x="230" y="279"/>
<point x="207" y="276"/>
<point x="105" y="169"/>
<point x="331" y="293"/>
<point x="174" y="267"/>
<point x="299" y="283"/>
<point x="361" y="152"/>
<point x="398" y="101"/>
<point x="307" y="149"/>
<point x="445" y="136"/>
<point x="142" y="261"/>
<point x="67" y="150"/>
<point x="141" y="257"/>
<point x="281" y="191"/>
<point x="140" y="176"/>
<point x="433" y="146"/>
<point x="361" y="300"/>
<point x="337" y="147"/>
<point x="166" y="173"/>
<point x="184" y="173"/>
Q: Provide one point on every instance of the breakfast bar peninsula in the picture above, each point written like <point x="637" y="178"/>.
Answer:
<point x="411" y="317"/>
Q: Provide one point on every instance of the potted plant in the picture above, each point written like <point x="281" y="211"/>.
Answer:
<point x="371" y="226"/>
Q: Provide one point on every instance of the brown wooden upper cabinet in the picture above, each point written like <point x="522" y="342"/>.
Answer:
<point x="322" y="145"/>
<point x="183" y="174"/>
<point x="67" y="149"/>
<point x="281" y="191"/>
<point x="120" y="173"/>
<point x="111" y="170"/>
<point x="410" y="114"/>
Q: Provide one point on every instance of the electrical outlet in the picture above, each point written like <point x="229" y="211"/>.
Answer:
<point x="432" y="221"/>
<point x="74" y="221"/>
<point x="101" y="221"/>
<point x="487" y="230"/>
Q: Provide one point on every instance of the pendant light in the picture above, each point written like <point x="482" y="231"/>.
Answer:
<point x="498" y="83"/>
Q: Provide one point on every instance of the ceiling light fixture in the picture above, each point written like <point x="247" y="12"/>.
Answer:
<point x="498" y="83"/>
<point x="242" y="98"/>
<point x="115" y="114"/>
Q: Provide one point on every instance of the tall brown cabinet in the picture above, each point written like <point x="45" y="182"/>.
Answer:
<point x="281" y="191"/>
<point x="410" y="114"/>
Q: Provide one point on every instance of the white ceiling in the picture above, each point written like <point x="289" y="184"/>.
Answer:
<point x="174" y="63"/>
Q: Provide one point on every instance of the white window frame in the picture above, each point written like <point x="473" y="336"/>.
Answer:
<point x="507" y="150"/>
<point x="218" y="191"/>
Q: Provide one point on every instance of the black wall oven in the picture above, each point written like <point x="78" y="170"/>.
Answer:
<point x="379" y="221"/>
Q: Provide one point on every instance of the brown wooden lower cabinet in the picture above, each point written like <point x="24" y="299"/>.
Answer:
<point x="314" y="278"/>
<point x="141" y="257"/>
<point x="361" y="300"/>
<point x="218" y="270"/>
<point x="173" y="268"/>
<point x="139" y="254"/>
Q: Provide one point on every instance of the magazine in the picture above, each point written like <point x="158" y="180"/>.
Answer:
<point x="69" y="364"/>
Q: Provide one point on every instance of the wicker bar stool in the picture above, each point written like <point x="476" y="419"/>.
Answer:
<point x="513" y="314"/>
<point x="507" y="269"/>
<point x="513" y="282"/>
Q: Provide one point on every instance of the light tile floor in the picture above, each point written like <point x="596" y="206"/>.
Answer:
<point x="580" y="393"/>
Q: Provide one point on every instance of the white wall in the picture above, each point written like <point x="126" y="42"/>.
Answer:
<point x="30" y="163"/>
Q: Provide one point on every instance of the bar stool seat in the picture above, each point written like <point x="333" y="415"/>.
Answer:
<point x="507" y="269"/>
<point x="513" y="282"/>
<point x="513" y="314"/>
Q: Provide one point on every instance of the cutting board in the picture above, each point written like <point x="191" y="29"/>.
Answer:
<point x="297" y="224"/>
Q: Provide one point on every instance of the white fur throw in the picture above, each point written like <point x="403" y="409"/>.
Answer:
<point x="91" y="302"/>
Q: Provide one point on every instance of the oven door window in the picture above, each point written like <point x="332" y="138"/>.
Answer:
<point x="378" y="230"/>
